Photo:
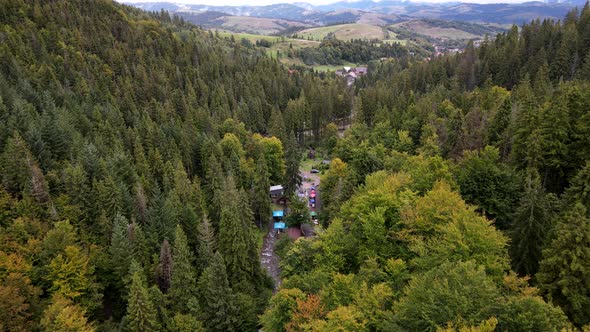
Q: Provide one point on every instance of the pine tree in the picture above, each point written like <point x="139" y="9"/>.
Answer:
<point x="141" y="315"/>
<point x="565" y="268"/>
<point x="183" y="281"/>
<point x="217" y="299"/>
<point x="164" y="269"/>
<point x="530" y="226"/>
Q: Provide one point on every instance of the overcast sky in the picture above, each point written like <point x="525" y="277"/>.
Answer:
<point x="313" y="2"/>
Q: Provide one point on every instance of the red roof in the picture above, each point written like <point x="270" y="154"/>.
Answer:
<point x="294" y="232"/>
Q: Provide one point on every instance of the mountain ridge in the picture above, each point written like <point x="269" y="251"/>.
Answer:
<point x="501" y="13"/>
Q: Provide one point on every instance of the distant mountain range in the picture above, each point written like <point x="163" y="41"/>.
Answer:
<point x="289" y="17"/>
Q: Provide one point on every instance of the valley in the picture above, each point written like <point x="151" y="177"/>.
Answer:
<point x="146" y="163"/>
<point x="300" y="26"/>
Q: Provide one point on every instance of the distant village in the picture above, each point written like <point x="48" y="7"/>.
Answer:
<point x="440" y="50"/>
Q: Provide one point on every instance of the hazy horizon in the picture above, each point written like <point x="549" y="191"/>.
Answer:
<point x="313" y="2"/>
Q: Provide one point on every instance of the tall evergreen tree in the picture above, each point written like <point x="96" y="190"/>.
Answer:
<point x="120" y="250"/>
<point x="259" y="193"/>
<point x="214" y="179"/>
<point x="530" y="226"/>
<point x="141" y="315"/>
<point x="565" y="268"/>
<point x="276" y="125"/>
<point x="183" y="281"/>
<point x="217" y="299"/>
<point x="139" y="245"/>
<point x="237" y="240"/>
<point x="161" y="219"/>
<point x="555" y="132"/>
<point x="207" y="244"/>
<point x="293" y="160"/>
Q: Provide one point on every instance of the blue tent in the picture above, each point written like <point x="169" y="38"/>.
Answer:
<point x="279" y="225"/>
<point x="278" y="214"/>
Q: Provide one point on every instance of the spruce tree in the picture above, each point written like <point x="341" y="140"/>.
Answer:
<point x="530" y="226"/>
<point x="139" y="245"/>
<point x="565" y="268"/>
<point x="214" y="179"/>
<point x="183" y="282"/>
<point x="579" y="189"/>
<point x="217" y="299"/>
<point x="141" y="315"/>
<point x="276" y="125"/>
<point x="207" y="244"/>
<point x="293" y="155"/>
<point x="259" y="192"/>
<point x="161" y="219"/>
<point x="555" y="131"/>
<point x="120" y="249"/>
<point x="236" y="239"/>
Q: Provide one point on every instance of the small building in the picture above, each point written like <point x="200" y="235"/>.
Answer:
<point x="276" y="191"/>
<point x="294" y="232"/>
<point x="360" y="70"/>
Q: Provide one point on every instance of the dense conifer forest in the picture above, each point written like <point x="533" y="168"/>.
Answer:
<point x="137" y="152"/>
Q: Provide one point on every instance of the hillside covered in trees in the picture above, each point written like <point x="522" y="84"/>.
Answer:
<point x="458" y="199"/>
<point x="136" y="154"/>
<point x="135" y="165"/>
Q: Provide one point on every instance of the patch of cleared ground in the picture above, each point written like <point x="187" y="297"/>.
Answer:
<point x="345" y="32"/>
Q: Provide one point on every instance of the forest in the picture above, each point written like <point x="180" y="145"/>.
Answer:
<point x="137" y="152"/>
<point x="332" y="51"/>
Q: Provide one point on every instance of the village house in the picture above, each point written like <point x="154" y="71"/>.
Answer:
<point x="352" y="73"/>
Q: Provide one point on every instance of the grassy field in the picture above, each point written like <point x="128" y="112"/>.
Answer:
<point x="326" y="68"/>
<point x="279" y="44"/>
<point x="259" y="25"/>
<point x="251" y="37"/>
<point x="423" y="28"/>
<point x="345" y="32"/>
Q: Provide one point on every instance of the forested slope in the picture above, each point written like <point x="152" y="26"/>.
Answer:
<point x="132" y="173"/>
<point x="458" y="200"/>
